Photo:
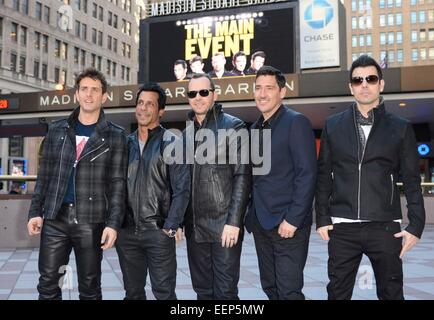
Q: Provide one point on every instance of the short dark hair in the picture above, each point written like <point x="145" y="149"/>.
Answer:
<point x="153" y="87"/>
<point x="196" y="58"/>
<point x="366" y="61"/>
<point x="93" y="74"/>
<point x="238" y="54"/>
<point x="258" y="54"/>
<point x="182" y="62"/>
<point x="271" y="71"/>
<point x="204" y="75"/>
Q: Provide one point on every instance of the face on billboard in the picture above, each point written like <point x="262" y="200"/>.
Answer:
<point x="240" y="63"/>
<point x="197" y="67"/>
<point x="180" y="72"/>
<point x="208" y="33"/>
<point x="258" y="62"/>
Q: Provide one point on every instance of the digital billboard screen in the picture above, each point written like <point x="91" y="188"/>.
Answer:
<point x="174" y="47"/>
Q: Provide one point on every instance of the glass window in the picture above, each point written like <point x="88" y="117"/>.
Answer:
<point x="14" y="32"/>
<point x="23" y="36"/>
<point x="413" y="2"/>
<point x="76" y="54"/>
<point x="391" y="56"/>
<point x="398" y="19"/>
<point x="38" y="11"/>
<point x="382" y="20"/>
<point x="83" y="58"/>
<point x="354" y="23"/>
<point x="391" y="38"/>
<point x="36" y="69"/>
<point x="413" y="17"/>
<point x="45" y="43"/>
<point x="44" y="72"/>
<point x="353" y="5"/>
<point x="22" y="65"/>
<point x="422" y="35"/>
<point x="431" y="34"/>
<point x="361" y="25"/>
<point x="94" y="10"/>
<point x="382" y="38"/>
<point x="422" y="17"/>
<point x="57" y="48"/>
<point x="16" y="5"/>
<point x="399" y="37"/>
<point x="399" y="55"/>
<point x="25" y="6"/>
<point x="369" y="40"/>
<point x="390" y="19"/>
<point x="361" y="6"/>
<point x="382" y="4"/>
<point x="47" y="14"/>
<point x="390" y="3"/>
<point x="413" y="35"/>
<point x="398" y="3"/>
<point x="100" y="38"/>
<point x="13" y="62"/>
<point x="414" y="55"/>
<point x="422" y="53"/>
<point x="431" y="53"/>
<point x="369" y="22"/>
<point x="362" y="40"/>
<point x="430" y="15"/>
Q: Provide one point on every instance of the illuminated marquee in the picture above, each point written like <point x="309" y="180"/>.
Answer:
<point x="187" y="6"/>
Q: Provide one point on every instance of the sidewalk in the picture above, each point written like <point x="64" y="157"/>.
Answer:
<point x="19" y="273"/>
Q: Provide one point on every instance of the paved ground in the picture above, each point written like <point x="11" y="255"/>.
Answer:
<point x="19" y="273"/>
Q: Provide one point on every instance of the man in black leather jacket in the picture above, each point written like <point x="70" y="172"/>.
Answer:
<point x="158" y="193"/>
<point x="219" y="195"/>
<point x="364" y="150"/>
<point x="79" y="196"/>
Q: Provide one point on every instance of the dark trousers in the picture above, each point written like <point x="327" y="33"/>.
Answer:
<point x="348" y="242"/>
<point x="147" y="250"/>
<point x="214" y="270"/>
<point x="58" y="238"/>
<point x="281" y="261"/>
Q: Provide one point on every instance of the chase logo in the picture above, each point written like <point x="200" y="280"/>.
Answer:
<point x="318" y="14"/>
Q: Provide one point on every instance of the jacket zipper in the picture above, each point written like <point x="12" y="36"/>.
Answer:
<point x="75" y="172"/>
<point x="361" y="160"/>
<point x="60" y="170"/>
<point x="99" y="154"/>
<point x="393" y="188"/>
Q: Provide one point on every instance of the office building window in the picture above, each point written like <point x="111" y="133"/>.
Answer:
<point x="362" y="24"/>
<point x="13" y="62"/>
<point x="382" y="38"/>
<point x="422" y="17"/>
<point x="430" y="15"/>
<point x="14" y="32"/>
<point x="399" y="55"/>
<point x="398" y="3"/>
<point x="398" y="19"/>
<point x="390" y="3"/>
<point x="114" y="69"/>
<point x="100" y="35"/>
<point x="369" y="22"/>
<point x="83" y="58"/>
<point x="94" y="10"/>
<point x="25" y="6"/>
<point x="431" y="53"/>
<point x="422" y="54"/>
<point x="399" y="37"/>
<point x="23" y="36"/>
<point x="390" y="56"/>
<point x="422" y="35"/>
<point x="353" y="5"/>
<point x="47" y="14"/>
<point x="84" y="31"/>
<point x="369" y="40"/>
<point x="76" y="55"/>
<point x="94" y="35"/>
<point x="413" y="35"/>
<point x="1" y="27"/>
<point x="22" y="64"/>
<point x="16" y="5"/>
<point x="99" y="63"/>
<point x="354" y="23"/>
<point x="413" y="17"/>
<point x="45" y="43"/>
<point x="44" y="71"/>
<point x="109" y="42"/>
<point x="414" y="55"/>
<point x="57" y="48"/>
<point x="413" y="2"/>
<point x="36" y="69"/>
<point x="56" y="75"/>
<point x="93" y="60"/>
<point x="362" y="40"/>
<point x="101" y="13"/>
<point x="390" y="19"/>
<point x="38" y="11"/>
<point x="382" y="4"/>
<point x="382" y="20"/>
<point x="115" y="45"/>
<point x="391" y="38"/>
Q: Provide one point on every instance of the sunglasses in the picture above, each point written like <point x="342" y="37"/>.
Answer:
<point x="371" y="79"/>
<point x="202" y="93"/>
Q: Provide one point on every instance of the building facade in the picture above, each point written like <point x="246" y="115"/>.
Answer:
<point x="395" y="32"/>
<point x="48" y="42"/>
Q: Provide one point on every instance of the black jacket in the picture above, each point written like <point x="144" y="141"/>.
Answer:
<point x="158" y="193"/>
<point x="367" y="190"/>
<point x="220" y="192"/>
<point x="99" y="177"/>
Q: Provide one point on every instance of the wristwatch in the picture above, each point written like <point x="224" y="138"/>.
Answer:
<point x="171" y="233"/>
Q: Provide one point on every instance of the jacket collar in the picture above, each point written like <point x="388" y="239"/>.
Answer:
<point x="215" y="110"/>
<point x="101" y="124"/>
<point x="378" y="110"/>
<point x="151" y="133"/>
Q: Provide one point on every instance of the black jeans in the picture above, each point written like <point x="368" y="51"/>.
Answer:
<point x="147" y="250"/>
<point x="58" y="238"/>
<point x="281" y="261"/>
<point x="348" y="242"/>
<point x="215" y="271"/>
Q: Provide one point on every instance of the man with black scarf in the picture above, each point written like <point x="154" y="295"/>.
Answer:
<point x="364" y="150"/>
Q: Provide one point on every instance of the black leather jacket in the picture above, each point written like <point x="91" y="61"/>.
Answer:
<point x="366" y="189"/>
<point x="220" y="192"/>
<point x="158" y="193"/>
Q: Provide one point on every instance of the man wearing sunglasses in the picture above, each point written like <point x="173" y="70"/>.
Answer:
<point x="364" y="151"/>
<point x="219" y="195"/>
